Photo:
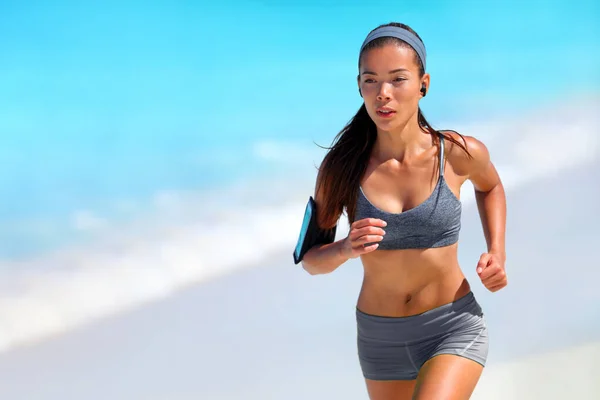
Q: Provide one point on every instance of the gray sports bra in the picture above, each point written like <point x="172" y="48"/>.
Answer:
<point x="433" y="223"/>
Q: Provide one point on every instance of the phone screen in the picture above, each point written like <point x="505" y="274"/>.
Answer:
<point x="305" y="223"/>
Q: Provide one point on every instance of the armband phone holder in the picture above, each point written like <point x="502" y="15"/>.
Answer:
<point x="310" y="232"/>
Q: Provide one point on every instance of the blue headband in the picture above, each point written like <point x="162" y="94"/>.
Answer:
<point x="399" y="33"/>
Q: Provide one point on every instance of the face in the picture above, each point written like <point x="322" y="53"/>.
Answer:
<point x="390" y="85"/>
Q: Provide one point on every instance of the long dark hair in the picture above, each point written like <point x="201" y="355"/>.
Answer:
<point x="345" y="163"/>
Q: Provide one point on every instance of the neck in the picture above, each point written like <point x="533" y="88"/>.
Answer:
<point x="402" y="143"/>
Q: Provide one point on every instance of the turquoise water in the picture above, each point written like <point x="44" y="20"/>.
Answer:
<point x="109" y="104"/>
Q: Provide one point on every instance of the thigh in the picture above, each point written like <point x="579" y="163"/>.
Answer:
<point x="447" y="376"/>
<point x="390" y="390"/>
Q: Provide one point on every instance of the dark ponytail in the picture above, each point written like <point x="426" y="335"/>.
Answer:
<point x="343" y="167"/>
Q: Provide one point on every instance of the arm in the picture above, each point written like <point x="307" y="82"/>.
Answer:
<point x="364" y="237"/>
<point x="491" y="200"/>
<point x="323" y="259"/>
<point x="327" y="257"/>
<point x="491" y="204"/>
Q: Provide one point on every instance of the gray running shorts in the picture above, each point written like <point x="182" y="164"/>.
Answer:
<point x="395" y="348"/>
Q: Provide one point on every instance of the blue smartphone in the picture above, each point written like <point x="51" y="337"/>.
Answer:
<point x="308" y="215"/>
<point x="310" y="232"/>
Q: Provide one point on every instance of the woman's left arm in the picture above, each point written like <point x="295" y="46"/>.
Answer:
<point x="491" y="203"/>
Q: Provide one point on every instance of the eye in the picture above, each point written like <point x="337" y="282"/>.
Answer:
<point x="369" y="80"/>
<point x="399" y="79"/>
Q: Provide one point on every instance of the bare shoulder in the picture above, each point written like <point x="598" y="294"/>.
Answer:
<point x="466" y="162"/>
<point x="475" y="163"/>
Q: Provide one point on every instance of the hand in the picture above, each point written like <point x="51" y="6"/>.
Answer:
<point x="367" y="230"/>
<point x="490" y="269"/>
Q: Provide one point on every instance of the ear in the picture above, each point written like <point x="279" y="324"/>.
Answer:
<point x="425" y="84"/>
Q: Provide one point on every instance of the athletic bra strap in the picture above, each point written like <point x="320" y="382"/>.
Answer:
<point x="441" y="154"/>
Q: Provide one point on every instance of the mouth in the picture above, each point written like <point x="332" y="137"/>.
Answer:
<point x="385" y="112"/>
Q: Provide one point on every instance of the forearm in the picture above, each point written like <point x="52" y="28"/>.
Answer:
<point x="323" y="259"/>
<point x="492" y="211"/>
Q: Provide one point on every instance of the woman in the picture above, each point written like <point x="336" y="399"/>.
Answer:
<point x="421" y="332"/>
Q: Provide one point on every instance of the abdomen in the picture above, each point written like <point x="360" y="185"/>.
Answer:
<point x="406" y="282"/>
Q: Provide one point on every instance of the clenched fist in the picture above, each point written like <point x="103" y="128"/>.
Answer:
<point x="364" y="237"/>
<point x="490" y="269"/>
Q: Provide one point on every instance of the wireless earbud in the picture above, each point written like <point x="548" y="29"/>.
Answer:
<point x="423" y="90"/>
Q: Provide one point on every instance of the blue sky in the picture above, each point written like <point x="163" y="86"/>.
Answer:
<point x="151" y="67"/>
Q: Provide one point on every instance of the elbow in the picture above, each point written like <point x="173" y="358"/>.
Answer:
<point x="493" y="191"/>
<point x="498" y="187"/>
<point x="321" y="260"/>
<point x="313" y="269"/>
<point x="308" y="268"/>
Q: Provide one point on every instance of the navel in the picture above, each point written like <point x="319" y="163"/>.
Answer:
<point x="407" y="299"/>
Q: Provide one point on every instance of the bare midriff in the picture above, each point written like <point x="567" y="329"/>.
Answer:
<point x="400" y="283"/>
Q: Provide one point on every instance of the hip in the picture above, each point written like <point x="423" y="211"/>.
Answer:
<point x="463" y="314"/>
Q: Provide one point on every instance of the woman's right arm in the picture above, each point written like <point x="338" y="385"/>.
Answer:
<point x="326" y="258"/>
<point x="323" y="258"/>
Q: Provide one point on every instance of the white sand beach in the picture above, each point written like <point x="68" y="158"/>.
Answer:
<point x="271" y="332"/>
<point x="570" y="373"/>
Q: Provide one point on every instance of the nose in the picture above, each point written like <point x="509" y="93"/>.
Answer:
<point x="384" y="93"/>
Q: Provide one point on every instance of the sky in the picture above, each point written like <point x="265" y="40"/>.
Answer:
<point x="69" y="66"/>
